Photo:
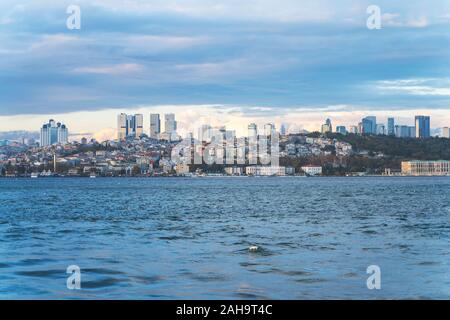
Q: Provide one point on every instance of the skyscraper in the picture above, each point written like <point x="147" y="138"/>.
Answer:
<point x="155" y="125"/>
<point x="381" y="129"/>
<point x="283" y="129"/>
<point x="354" y="129"/>
<point x="269" y="129"/>
<point x="252" y="130"/>
<point x="422" y="126"/>
<point x="129" y="125"/>
<point x="341" y="130"/>
<point x="122" y="126"/>
<point x="369" y="125"/>
<point x="391" y="126"/>
<point x="138" y="128"/>
<point x="402" y="131"/>
<point x="327" y="127"/>
<point x="170" y="125"/>
<point x="54" y="133"/>
<point x="205" y="133"/>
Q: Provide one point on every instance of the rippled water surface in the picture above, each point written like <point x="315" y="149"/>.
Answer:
<point x="175" y="238"/>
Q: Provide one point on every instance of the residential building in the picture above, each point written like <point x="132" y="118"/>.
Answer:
<point x="54" y="133"/>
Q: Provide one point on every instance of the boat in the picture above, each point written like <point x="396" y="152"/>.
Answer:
<point x="34" y="175"/>
<point x="92" y="176"/>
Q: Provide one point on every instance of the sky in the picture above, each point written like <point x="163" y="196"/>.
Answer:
<point x="224" y="61"/>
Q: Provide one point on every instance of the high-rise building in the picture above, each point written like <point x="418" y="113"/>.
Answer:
<point x="354" y="129"/>
<point x="252" y="130"/>
<point x="381" y="129"/>
<point x="205" y="133"/>
<point x="230" y="135"/>
<point x="341" y="130"/>
<point x="412" y="132"/>
<point x="155" y="125"/>
<point x="283" y="129"/>
<point x="170" y="125"/>
<point x="328" y="123"/>
<point x="403" y="131"/>
<point x="422" y="126"/>
<point x="122" y="126"/>
<point x="369" y="125"/>
<point x="54" y="133"/>
<point x="269" y="129"/>
<point x="327" y="127"/>
<point x="170" y="128"/>
<point x="446" y="132"/>
<point x="129" y="125"/>
<point x="391" y="126"/>
<point x="138" y="127"/>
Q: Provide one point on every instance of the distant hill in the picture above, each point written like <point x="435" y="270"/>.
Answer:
<point x="18" y="135"/>
<point x="406" y="148"/>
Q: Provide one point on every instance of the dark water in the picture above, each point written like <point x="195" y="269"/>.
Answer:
<point x="189" y="238"/>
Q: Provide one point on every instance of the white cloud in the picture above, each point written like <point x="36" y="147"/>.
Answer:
<point x="418" y="86"/>
<point x="396" y="20"/>
<point x="420" y="22"/>
<point x="151" y="44"/>
<point x="119" y="69"/>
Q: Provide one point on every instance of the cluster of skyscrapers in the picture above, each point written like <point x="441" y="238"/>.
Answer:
<point x="129" y="125"/>
<point x="369" y="126"/>
<point x="133" y="126"/>
<point x="54" y="133"/>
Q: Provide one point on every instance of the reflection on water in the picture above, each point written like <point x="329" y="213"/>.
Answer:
<point x="190" y="238"/>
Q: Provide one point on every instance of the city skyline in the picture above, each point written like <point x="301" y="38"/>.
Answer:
<point x="134" y="126"/>
<point x="103" y="125"/>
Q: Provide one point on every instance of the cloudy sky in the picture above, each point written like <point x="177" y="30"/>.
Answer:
<point x="225" y="61"/>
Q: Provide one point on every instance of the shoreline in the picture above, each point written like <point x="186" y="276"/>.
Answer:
<point x="222" y="177"/>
